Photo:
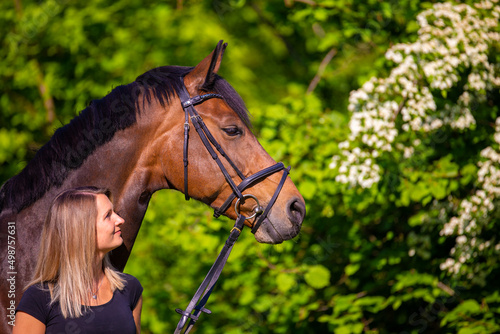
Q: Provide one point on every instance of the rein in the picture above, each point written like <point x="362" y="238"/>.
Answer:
<point x="200" y="298"/>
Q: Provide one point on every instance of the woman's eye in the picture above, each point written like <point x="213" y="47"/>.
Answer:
<point x="232" y="131"/>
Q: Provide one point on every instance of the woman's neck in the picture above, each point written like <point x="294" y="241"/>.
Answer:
<point x="98" y="271"/>
<point x="98" y="291"/>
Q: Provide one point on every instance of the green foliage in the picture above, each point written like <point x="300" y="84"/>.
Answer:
<point x="367" y="260"/>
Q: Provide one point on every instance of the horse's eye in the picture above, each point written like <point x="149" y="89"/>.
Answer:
<point x="232" y="131"/>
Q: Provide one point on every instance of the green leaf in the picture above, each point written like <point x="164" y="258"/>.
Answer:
<point x="307" y="189"/>
<point x="468" y="307"/>
<point x="317" y="276"/>
<point x="351" y="269"/>
<point x="419" y="191"/>
<point x="438" y="190"/>
<point x="468" y="173"/>
<point x="285" y="281"/>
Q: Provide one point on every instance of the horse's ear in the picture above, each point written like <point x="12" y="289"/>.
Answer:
<point x="203" y="75"/>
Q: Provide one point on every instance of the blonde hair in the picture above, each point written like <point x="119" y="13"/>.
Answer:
<point x="68" y="251"/>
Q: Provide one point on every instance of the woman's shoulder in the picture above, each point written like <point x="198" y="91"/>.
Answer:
<point x="133" y="289"/>
<point x="39" y="290"/>
<point x="36" y="301"/>
<point x="131" y="282"/>
<point x="130" y="279"/>
<point x="37" y="293"/>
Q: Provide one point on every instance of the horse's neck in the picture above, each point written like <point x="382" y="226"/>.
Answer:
<point x="116" y="165"/>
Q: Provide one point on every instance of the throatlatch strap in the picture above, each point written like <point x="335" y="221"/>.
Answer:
<point x="206" y="287"/>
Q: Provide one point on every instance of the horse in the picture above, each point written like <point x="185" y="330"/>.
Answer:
<point x="135" y="141"/>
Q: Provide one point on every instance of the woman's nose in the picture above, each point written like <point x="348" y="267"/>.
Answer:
<point x="119" y="220"/>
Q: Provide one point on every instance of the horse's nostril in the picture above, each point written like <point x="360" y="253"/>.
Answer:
<point x="296" y="211"/>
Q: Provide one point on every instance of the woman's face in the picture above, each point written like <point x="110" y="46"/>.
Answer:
<point x="108" y="226"/>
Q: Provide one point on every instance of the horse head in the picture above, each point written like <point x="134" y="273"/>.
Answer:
<point x="223" y="113"/>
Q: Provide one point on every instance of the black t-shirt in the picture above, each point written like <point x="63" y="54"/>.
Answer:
<point x="114" y="316"/>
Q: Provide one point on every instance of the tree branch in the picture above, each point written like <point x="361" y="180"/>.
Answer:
<point x="446" y="288"/>
<point x="400" y="107"/>
<point x="308" y="2"/>
<point x="19" y="8"/>
<point x="321" y="69"/>
<point x="47" y="99"/>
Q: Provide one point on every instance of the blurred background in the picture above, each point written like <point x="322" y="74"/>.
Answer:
<point x="378" y="254"/>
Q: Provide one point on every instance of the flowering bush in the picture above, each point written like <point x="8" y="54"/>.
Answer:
<point x="474" y="220"/>
<point x="440" y="85"/>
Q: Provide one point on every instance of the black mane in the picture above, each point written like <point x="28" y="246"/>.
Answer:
<point x="96" y="125"/>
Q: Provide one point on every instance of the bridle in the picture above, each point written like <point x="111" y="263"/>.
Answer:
<point x="259" y="213"/>
<point x="208" y="140"/>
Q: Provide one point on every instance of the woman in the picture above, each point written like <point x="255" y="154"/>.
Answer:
<point x="74" y="288"/>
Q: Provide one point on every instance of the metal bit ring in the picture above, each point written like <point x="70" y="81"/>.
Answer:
<point x="258" y="209"/>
